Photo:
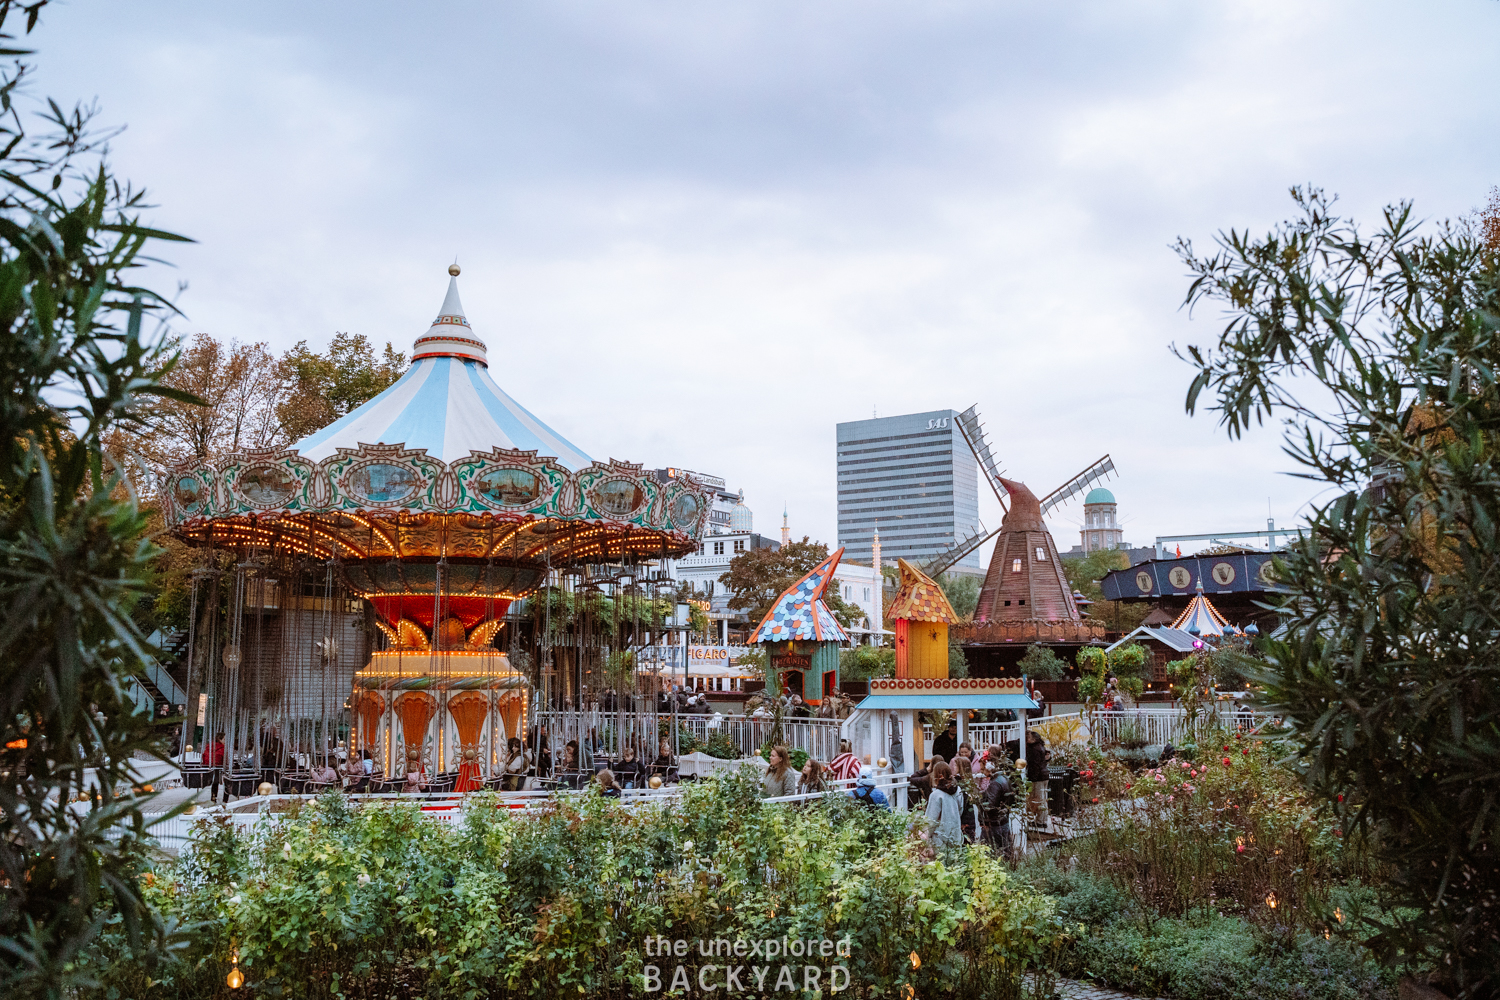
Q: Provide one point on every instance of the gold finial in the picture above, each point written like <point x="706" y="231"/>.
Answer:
<point x="453" y="269"/>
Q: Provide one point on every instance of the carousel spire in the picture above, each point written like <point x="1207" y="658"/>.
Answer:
<point x="450" y="335"/>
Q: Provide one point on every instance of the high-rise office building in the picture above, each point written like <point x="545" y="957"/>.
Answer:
<point x="914" y="478"/>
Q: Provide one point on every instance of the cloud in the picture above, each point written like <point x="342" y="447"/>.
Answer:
<point x="701" y="236"/>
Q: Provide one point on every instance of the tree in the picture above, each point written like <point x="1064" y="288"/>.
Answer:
<point x="72" y="559"/>
<point x="1084" y="576"/>
<point x="1041" y="663"/>
<point x="860" y="663"/>
<point x="1380" y="354"/>
<point x="962" y="592"/>
<point x="320" y="388"/>
<point x="758" y="576"/>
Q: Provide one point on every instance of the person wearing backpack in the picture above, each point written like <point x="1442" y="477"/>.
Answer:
<point x="866" y="793"/>
<point x="994" y="809"/>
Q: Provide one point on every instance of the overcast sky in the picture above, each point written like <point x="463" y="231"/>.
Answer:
<point x="702" y="234"/>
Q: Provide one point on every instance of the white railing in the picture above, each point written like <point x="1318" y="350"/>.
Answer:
<point x="643" y="730"/>
<point x="175" y="832"/>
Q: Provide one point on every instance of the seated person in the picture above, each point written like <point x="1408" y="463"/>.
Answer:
<point x="665" y="764"/>
<point x="630" y="772"/>
<point x="866" y="793"/>
<point x="607" y="786"/>
<point x="323" y="774"/>
<point x="517" y="762"/>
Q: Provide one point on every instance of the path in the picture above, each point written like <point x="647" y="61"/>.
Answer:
<point x="1072" y="989"/>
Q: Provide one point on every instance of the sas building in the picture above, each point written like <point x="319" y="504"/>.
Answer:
<point x="914" y="479"/>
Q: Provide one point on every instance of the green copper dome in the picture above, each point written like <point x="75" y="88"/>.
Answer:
<point x="1099" y="495"/>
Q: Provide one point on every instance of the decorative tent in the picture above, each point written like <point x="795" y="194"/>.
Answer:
<point x="801" y="637"/>
<point x="1201" y="618"/>
<point x="922" y="615"/>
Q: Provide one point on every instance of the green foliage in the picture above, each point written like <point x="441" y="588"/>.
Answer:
<point x="72" y="564"/>
<point x="958" y="664"/>
<point x="1083" y="575"/>
<point x="1204" y="955"/>
<point x="755" y="662"/>
<point x="962" y="591"/>
<point x="1129" y="663"/>
<point x="323" y="387"/>
<point x="860" y="663"/>
<point x="1042" y="664"/>
<point x="383" y="900"/>
<point x="1380" y="352"/>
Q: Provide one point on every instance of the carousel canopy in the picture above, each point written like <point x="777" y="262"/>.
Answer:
<point x="442" y="483"/>
<point x="446" y="403"/>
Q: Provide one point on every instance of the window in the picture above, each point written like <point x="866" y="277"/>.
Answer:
<point x="846" y="591"/>
<point x="867" y="593"/>
<point x="718" y="548"/>
<point x="1041" y="554"/>
<point x="1015" y="565"/>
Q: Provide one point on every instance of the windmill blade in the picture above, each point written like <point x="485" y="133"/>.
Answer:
<point x="973" y="432"/>
<point x="953" y="553"/>
<point x="1079" y="484"/>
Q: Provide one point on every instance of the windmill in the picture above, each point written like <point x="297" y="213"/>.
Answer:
<point x="973" y="432"/>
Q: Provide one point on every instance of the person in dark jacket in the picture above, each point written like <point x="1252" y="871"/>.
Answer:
<point x="630" y="772"/>
<point x="1037" y="756"/>
<point x="945" y="744"/>
<point x="994" y="809"/>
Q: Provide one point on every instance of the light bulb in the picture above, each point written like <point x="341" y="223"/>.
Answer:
<point x="235" y="979"/>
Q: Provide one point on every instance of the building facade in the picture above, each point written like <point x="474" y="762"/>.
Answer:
<point x="912" y="477"/>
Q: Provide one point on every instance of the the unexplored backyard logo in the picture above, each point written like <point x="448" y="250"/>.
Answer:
<point x="713" y="966"/>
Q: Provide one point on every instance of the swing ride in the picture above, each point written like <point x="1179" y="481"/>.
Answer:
<point x="375" y="574"/>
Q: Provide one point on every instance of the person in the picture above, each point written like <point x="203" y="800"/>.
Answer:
<point x="845" y="765"/>
<point x="943" y="809"/>
<point x="779" y="779"/>
<point x="272" y="753"/>
<point x="1037" y="756"/>
<point x="921" y="782"/>
<point x="761" y="712"/>
<point x="630" y="772"/>
<point x="568" y="773"/>
<point x="966" y="750"/>
<point x="213" y="756"/>
<point x="323" y="774"/>
<point x="367" y="763"/>
<point x="665" y="765"/>
<point x="517" y="762"/>
<point x="541" y="750"/>
<point x="968" y="797"/>
<point x="945" y="744"/>
<point x="866" y="793"/>
<point x="812" y="778"/>
<point x="994" y="809"/>
<point x="1041" y="704"/>
<point x="607" y="786"/>
<point x="799" y="708"/>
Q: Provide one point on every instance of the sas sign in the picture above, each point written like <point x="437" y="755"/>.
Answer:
<point x="937" y="423"/>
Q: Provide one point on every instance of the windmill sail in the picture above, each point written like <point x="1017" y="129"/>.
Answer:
<point x="953" y="553"/>
<point x="973" y="432"/>
<point x="1079" y="484"/>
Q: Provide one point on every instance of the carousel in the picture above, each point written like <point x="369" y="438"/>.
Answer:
<point x="395" y="583"/>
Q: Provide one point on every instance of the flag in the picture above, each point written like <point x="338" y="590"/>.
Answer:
<point x="1179" y="552"/>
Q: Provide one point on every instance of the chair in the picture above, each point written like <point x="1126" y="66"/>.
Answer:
<point x="241" y="784"/>
<point x="318" y="787"/>
<point x="495" y="783"/>
<point x="293" y="784"/>
<point x="361" y="784"/>
<point x="442" y="784"/>
<point x="199" y="777"/>
<point x="383" y="787"/>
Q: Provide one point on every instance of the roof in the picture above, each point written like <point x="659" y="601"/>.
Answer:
<point x="920" y="599"/>
<point x="1099" y="495"/>
<point x="447" y="403"/>
<point x="1172" y="638"/>
<point x="930" y="702"/>
<point x="1200" y="617"/>
<point x="799" y="613"/>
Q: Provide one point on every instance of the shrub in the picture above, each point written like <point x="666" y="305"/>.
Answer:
<point x="382" y="899"/>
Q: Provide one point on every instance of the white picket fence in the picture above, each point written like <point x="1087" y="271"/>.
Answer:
<point x="1155" y="726"/>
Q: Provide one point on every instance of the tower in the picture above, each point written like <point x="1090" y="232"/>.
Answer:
<point x="1025" y="580"/>
<point x="786" y="528"/>
<point x="1101" y="527"/>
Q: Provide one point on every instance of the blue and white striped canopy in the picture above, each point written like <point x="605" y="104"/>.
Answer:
<point x="446" y="403"/>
